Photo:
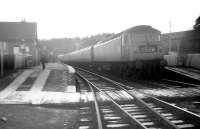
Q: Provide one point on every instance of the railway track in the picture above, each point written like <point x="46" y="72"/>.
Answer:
<point x="130" y="111"/>
<point x="181" y="87"/>
<point x="96" y="115"/>
<point x="183" y="84"/>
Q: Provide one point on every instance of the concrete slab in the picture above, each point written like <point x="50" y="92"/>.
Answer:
<point x="23" y="97"/>
<point x="70" y="89"/>
<point x="54" y="98"/>
<point x="40" y="82"/>
<point x="15" y="84"/>
<point x="36" y="96"/>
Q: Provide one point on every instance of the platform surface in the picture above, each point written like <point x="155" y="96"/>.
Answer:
<point x="189" y="72"/>
<point x="38" y="86"/>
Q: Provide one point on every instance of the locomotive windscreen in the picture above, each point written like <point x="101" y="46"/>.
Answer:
<point x="143" y="36"/>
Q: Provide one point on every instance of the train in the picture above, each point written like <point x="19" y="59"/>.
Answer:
<point x="135" y="52"/>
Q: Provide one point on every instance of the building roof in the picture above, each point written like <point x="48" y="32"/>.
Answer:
<point x="142" y="28"/>
<point x="185" y="35"/>
<point x="18" y="31"/>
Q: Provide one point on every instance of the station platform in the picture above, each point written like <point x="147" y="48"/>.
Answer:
<point x="188" y="72"/>
<point x="53" y="85"/>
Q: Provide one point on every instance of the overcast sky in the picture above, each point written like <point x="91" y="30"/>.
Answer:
<point x="79" y="18"/>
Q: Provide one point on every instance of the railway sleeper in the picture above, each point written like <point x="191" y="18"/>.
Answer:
<point x="174" y="119"/>
<point x="86" y="118"/>
<point x="179" y="121"/>
<point x="152" y="118"/>
<point x="143" y="116"/>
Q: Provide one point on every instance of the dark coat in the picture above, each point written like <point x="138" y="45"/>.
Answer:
<point x="43" y="57"/>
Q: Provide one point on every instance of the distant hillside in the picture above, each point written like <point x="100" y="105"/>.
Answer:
<point x="66" y="45"/>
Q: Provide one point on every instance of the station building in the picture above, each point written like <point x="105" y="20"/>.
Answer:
<point x="18" y="44"/>
<point x="182" y="42"/>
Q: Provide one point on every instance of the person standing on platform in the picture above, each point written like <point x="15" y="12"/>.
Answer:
<point x="43" y="58"/>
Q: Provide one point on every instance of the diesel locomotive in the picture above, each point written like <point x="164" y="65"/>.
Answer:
<point x="134" y="52"/>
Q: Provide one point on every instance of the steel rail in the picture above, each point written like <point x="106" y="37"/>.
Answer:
<point x="194" y="117"/>
<point x="184" y="83"/>
<point x="132" y="119"/>
<point x="162" y="119"/>
<point x="170" y="86"/>
<point x="98" y="116"/>
<point x="100" y="125"/>
<point x="186" y="113"/>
